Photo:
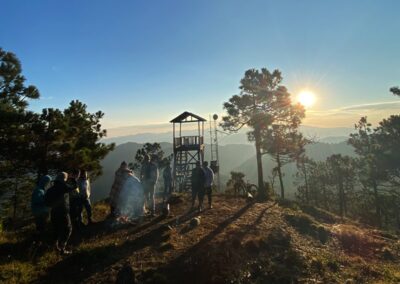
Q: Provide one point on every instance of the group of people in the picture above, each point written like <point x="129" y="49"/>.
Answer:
<point x="64" y="200"/>
<point x="202" y="180"/>
<point x="134" y="196"/>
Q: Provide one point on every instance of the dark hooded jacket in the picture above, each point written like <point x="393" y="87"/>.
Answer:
<point x="37" y="202"/>
<point x="60" y="197"/>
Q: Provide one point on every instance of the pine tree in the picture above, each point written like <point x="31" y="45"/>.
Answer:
<point x="14" y="116"/>
<point x="284" y="144"/>
<point x="371" y="175"/>
<point x="261" y="103"/>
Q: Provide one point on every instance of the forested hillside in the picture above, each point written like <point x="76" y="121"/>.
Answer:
<point x="234" y="157"/>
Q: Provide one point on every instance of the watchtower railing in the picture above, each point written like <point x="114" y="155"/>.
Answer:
<point x="188" y="141"/>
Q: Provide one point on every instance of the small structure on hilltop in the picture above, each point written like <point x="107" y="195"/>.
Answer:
<point x="188" y="150"/>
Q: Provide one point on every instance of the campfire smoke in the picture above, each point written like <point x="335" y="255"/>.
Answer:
<point x="131" y="199"/>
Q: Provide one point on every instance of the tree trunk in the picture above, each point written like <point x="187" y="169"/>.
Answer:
<point x="15" y="200"/>
<point x="377" y="204"/>
<point x="397" y="209"/>
<point x="325" y="199"/>
<point x="261" y="188"/>
<point x="344" y="203"/>
<point x="278" y="161"/>
<point x="306" y="183"/>
<point x="341" y="209"/>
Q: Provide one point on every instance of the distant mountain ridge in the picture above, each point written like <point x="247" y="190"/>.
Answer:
<point x="326" y="135"/>
<point x="233" y="157"/>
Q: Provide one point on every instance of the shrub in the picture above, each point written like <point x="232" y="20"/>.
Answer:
<point x="356" y="241"/>
<point x="278" y="237"/>
<point x="289" y="204"/>
<point x="304" y="224"/>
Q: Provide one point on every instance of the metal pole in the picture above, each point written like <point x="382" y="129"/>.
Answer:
<point x="211" y="141"/>
<point x="216" y="152"/>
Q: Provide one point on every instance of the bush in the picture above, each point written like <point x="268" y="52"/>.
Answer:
<point x="252" y="246"/>
<point x="278" y="237"/>
<point x="355" y="241"/>
<point x="300" y="221"/>
<point x="304" y="224"/>
<point x="289" y="204"/>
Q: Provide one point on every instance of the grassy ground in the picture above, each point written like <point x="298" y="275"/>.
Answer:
<point x="235" y="242"/>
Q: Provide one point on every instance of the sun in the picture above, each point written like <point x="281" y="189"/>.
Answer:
<point x="306" y="98"/>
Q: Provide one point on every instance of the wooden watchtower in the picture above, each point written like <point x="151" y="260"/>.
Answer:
<point x="188" y="150"/>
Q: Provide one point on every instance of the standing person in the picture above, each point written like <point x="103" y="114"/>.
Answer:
<point x="84" y="192"/>
<point x="209" y="179"/>
<point x="149" y="177"/>
<point x="39" y="209"/>
<point x="58" y="198"/>
<point x="120" y="177"/>
<point x="198" y="180"/>
<point x="167" y="176"/>
<point x="75" y="199"/>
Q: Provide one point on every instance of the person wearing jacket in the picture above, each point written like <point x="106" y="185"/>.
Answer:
<point x="39" y="209"/>
<point x="167" y="176"/>
<point x="149" y="176"/>
<point x="58" y="197"/>
<point x="198" y="180"/>
<point x="84" y="192"/>
<point x="209" y="179"/>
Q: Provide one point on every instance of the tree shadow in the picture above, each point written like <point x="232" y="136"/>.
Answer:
<point x="185" y="264"/>
<point x="28" y="248"/>
<point x="241" y="234"/>
<point x="85" y="263"/>
<point x="180" y="260"/>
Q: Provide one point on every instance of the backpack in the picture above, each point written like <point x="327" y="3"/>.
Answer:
<point x="50" y="196"/>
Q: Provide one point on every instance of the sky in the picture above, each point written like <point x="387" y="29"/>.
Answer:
<point x="145" y="62"/>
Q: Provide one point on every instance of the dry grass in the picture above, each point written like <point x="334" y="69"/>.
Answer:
<point x="357" y="241"/>
<point x="235" y="241"/>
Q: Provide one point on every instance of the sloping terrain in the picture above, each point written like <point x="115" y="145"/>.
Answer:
<point x="235" y="242"/>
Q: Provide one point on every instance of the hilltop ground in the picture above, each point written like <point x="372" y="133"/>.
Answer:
<point x="235" y="242"/>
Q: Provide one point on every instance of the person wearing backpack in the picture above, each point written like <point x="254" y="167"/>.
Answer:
<point x="58" y="198"/>
<point x="39" y="209"/>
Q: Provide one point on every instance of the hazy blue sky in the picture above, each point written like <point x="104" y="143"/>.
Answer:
<point x="143" y="62"/>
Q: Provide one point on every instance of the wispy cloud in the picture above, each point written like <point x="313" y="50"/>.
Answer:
<point x="348" y="115"/>
<point x="345" y="116"/>
<point x="373" y="106"/>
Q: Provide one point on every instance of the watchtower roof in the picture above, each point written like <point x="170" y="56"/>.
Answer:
<point x="187" y="117"/>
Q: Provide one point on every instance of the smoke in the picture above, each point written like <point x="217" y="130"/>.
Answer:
<point x="131" y="198"/>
